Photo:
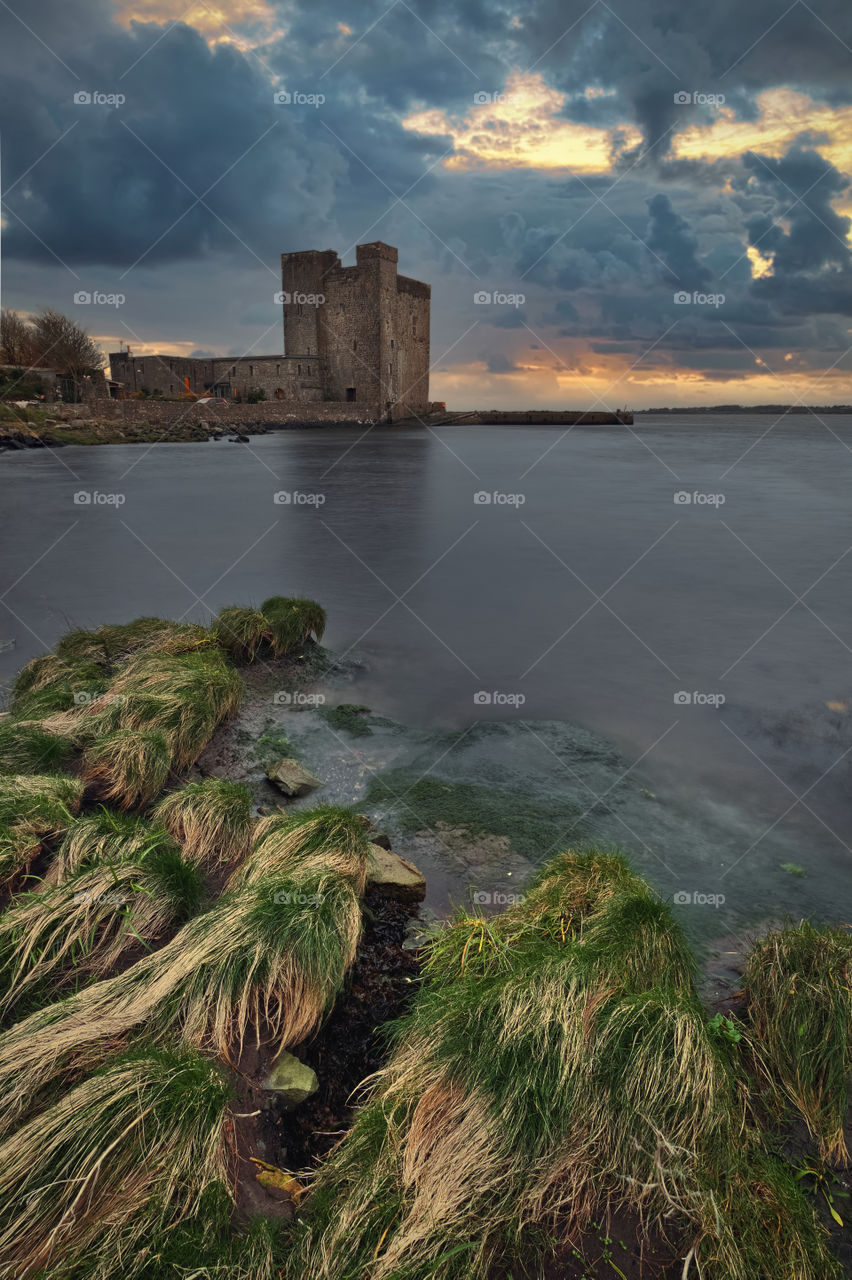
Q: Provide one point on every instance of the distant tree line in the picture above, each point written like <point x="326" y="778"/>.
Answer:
<point x="49" y="340"/>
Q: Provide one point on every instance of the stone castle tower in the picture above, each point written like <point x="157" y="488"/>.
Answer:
<point x="357" y="335"/>
<point x="368" y="326"/>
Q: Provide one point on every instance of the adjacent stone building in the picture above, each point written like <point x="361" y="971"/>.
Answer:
<point x="357" y="335"/>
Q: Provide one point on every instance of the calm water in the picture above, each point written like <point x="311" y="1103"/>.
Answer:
<point x="584" y="589"/>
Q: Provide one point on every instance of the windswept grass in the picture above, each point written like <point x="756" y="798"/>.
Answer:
<point x="51" y="684"/>
<point x="326" y="839"/>
<point x="131" y="1151"/>
<point x="211" y="820"/>
<point x="797" y="983"/>
<point x="83" y="927"/>
<point x="103" y="837"/>
<point x="128" y="767"/>
<point x="182" y="696"/>
<point x="28" y="748"/>
<point x="159" y="635"/>
<point x="269" y="958"/>
<point x="546" y="1075"/>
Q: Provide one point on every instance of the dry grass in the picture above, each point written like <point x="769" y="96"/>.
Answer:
<point x="133" y="1149"/>
<point x="211" y="820"/>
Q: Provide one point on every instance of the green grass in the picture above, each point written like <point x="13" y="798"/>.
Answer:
<point x="292" y="621"/>
<point x="797" y="984"/>
<point x="211" y="820"/>
<point x="128" y="1153"/>
<point x="57" y="686"/>
<point x="423" y="803"/>
<point x="241" y="632"/>
<point x="43" y="804"/>
<point x="280" y="627"/>
<point x="27" y="748"/>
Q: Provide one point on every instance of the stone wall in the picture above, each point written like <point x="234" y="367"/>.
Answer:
<point x="275" y="413"/>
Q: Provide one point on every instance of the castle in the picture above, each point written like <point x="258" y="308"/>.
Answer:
<point x="357" y="335"/>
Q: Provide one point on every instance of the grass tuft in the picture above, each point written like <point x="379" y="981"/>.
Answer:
<point x="310" y="841"/>
<point x="128" y="767"/>
<point x="211" y="820"/>
<point x="797" y="983"/>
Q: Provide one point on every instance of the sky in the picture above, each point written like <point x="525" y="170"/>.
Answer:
<point x="616" y="204"/>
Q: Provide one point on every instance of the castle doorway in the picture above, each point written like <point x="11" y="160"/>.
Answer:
<point x="350" y="394"/>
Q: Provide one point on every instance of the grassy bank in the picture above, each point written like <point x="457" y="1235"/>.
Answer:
<point x="552" y="1072"/>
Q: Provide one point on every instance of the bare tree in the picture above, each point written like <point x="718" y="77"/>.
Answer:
<point x="17" y="339"/>
<point x="62" y="345"/>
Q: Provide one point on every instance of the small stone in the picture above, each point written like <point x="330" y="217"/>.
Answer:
<point x="394" y="876"/>
<point x="291" y="1079"/>
<point x="289" y="776"/>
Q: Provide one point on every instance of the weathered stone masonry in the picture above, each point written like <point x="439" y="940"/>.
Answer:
<point x="352" y="335"/>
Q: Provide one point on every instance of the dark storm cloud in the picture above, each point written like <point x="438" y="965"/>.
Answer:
<point x="598" y="258"/>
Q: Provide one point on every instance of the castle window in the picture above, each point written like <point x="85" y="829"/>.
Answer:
<point x="299" y="305"/>
<point x="414" y="325"/>
<point x="171" y="388"/>
<point x="354" y="344"/>
<point x="299" y="367"/>
<point x="251" y="369"/>
<point x="278" y="368"/>
<point x="391" y="344"/>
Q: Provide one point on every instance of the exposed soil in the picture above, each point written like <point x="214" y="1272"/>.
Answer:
<point x="348" y="1048"/>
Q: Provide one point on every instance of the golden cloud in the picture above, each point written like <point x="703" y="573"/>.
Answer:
<point x="218" y="23"/>
<point x="521" y="128"/>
